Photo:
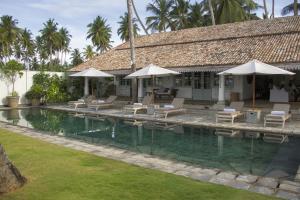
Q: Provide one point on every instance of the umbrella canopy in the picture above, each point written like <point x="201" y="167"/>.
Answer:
<point x="151" y="71"/>
<point x="92" y="72"/>
<point x="255" y="67"/>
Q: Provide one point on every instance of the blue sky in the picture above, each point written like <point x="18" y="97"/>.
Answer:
<point x="76" y="14"/>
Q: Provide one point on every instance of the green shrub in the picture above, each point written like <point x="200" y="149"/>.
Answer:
<point x="35" y="92"/>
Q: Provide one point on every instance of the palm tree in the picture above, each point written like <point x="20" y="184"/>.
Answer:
<point x="229" y="11"/>
<point x="76" y="58"/>
<point x="249" y="6"/>
<point x="27" y="45"/>
<point x="180" y="13"/>
<point x="88" y="52"/>
<point x="100" y="34"/>
<point x="41" y="48"/>
<point x="50" y="36"/>
<point x="123" y="30"/>
<point x="212" y="14"/>
<point x="65" y="39"/>
<point x="9" y="34"/>
<point x="160" y="20"/>
<point x="266" y="14"/>
<point x="196" y="15"/>
<point x="291" y="8"/>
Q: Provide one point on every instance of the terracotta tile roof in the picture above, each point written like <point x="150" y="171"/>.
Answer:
<point x="271" y="41"/>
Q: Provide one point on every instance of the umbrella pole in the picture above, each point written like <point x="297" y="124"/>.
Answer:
<point x="253" y="92"/>
<point x="152" y="88"/>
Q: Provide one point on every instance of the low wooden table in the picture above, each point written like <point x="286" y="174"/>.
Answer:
<point x="253" y="115"/>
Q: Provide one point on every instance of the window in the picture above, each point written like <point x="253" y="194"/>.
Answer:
<point x="124" y="82"/>
<point x="184" y="79"/>
<point x="216" y="79"/>
<point x="207" y="80"/>
<point x="197" y="80"/>
<point x="187" y="79"/>
<point x="229" y="81"/>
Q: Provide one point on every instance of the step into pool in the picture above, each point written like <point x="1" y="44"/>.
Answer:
<point x="230" y="150"/>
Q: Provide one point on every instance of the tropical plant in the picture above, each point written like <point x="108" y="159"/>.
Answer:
<point x="123" y="30"/>
<point x="180" y="14"/>
<point x="50" y="36"/>
<point x="88" y="52"/>
<point x="27" y="45"/>
<point x="100" y="34"/>
<point x="9" y="33"/>
<point x="160" y="19"/>
<point x="65" y="39"/>
<point x="76" y="58"/>
<point x="35" y="92"/>
<point x="291" y="8"/>
<point x="196" y="15"/>
<point x="11" y="71"/>
<point x="229" y="11"/>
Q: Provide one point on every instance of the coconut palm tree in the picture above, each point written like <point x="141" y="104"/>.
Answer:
<point x="27" y="45"/>
<point x="65" y="39"/>
<point x="50" y="36"/>
<point x="291" y="8"/>
<point x="88" y="52"/>
<point x="180" y="14"/>
<point x="160" y="19"/>
<point x="9" y="34"/>
<point x="123" y="30"/>
<point x="229" y="11"/>
<point x="212" y="14"/>
<point x="76" y="58"/>
<point x="196" y="15"/>
<point x="100" y="34"/>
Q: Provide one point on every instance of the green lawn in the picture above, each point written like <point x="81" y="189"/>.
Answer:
<point x="59" y="173"/>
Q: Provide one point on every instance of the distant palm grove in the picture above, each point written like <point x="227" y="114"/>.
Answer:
<point x="49" y="49"/>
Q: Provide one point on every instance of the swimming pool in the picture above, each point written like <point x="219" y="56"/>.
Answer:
<point x="242" y="152"/>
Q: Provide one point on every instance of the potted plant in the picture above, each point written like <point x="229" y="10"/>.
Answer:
<point x="11" y="71"/>
<point x="35" y="94"/>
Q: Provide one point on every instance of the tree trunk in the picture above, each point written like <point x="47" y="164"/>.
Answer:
<point x="213" y="21"/>
<point x="10" y="177"/>
<point x="273" y="9"/>
<point x="132" y="51"/>
<point x="266" y="16"/>
<point x="138" y="17"/>
<point x="296" y="7"/>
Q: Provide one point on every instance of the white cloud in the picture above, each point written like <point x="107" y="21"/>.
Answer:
<point x="78" y="8"/>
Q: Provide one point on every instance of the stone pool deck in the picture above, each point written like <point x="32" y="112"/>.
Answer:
<point x="264" y="185"/>
<point x="194" y="117"/>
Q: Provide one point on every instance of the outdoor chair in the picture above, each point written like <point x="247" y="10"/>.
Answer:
<point x="147" y="100"/>
<point x="278" y="116"/>
<point x="82" y="102"/>
<point x="97" y="104"/>
<point x="230" y="114"/>
<point x="175" y="107"/>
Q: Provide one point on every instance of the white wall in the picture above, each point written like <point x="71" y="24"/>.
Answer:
<point x="22" y="85"/>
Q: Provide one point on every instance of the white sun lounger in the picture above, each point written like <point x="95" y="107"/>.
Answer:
<point x="175" y="108"/>
<point x="147" y="100"/>
<point x="109" y="102"/>
<point x="279" y="115"/>
<point x="236" y="107"/>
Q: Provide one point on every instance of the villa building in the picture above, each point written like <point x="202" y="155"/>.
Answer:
<point x="200" y="53"/>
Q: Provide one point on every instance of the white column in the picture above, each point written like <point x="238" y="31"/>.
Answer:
<point x="221" y="99"/>
<point x="140" y="89"/>
<point x="86" y="86"/>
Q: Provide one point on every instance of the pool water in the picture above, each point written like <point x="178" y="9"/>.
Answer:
<point x="242" y="153"/>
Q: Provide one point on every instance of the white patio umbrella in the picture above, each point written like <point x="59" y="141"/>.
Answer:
<point x="90" y="73"/>
<point x="151" y="71"/>
<point x="255" y="67"/>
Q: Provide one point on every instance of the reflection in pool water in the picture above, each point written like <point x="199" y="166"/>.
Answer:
<point x="240" y="152"/>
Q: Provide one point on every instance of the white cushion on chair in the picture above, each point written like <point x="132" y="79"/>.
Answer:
<point x="230" y="110"/>
<point x="276" y="112"/>
<point x="168" y="106"/>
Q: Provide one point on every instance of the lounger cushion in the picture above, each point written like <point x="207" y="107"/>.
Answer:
<point x="81" y="100"/>
<point x="137" y="104"/>
<point x="169" y="106"/>
<point x="280" y="113"/>
<point x="230" y="110"/>
<point x="98" y="101"/>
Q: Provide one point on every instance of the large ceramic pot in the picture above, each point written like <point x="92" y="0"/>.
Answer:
<point x="12" y="101"/>
<point x="35" y="102"/>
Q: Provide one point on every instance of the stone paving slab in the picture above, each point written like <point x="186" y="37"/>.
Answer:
<point x="268" y="186"/>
